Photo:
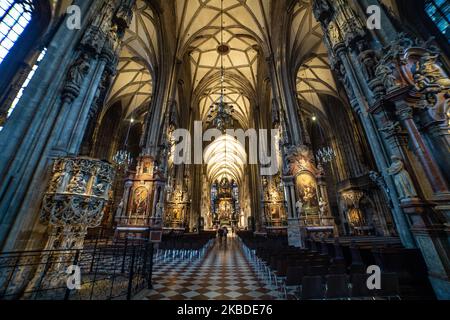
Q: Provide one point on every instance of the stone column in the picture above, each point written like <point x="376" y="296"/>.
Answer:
<point x="342" y="41"/>
<point x="52" y="116"/>
<point x="381" y="83"/>
<point x="295" y="234"/>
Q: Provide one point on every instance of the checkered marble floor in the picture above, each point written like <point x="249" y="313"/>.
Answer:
<point x="223" y="274"/>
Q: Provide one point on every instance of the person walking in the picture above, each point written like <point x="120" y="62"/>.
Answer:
<point x="220" y="234"/>
<point x="225" y="233"/>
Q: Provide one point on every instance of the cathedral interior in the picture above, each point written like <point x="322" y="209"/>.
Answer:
<point x="224" y="149"/>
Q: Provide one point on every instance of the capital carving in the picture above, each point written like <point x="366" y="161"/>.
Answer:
<point x="391" y="129"/>
<point x="404" y="113"/>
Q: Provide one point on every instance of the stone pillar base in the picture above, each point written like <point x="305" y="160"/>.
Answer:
<point x="432" y="240"/>
<point x="296" y="233"/>
<point x="441" y="287"/>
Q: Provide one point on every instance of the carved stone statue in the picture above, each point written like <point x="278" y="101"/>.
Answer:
<point x="321" y="9"/>
<point x="428" y="71"/>
<point x="334" y="33"/>
<point x="120" y="208"/>
<point x="78" y="184"/>
<point x="402" y="179"/>
<point x="385" y="74"/>
<point x="159" y="210"/>
<point x="299" y="207"/>
<point x="78" y="71"/>
<point x="368" y="59"/>
<point x="56" y="181"/>
<point x="322" y="207"/>
<point x="113" y="37"/>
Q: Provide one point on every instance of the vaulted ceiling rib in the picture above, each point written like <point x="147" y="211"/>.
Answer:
<point x="133" y="84"/>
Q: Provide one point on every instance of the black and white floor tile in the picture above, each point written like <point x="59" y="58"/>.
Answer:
<point x="223" y="274"/>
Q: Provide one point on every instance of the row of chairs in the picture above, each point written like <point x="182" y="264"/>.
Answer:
<point x="341" y="286"/>
<point x="186" y="247"/>
<point x="308" y="274"/>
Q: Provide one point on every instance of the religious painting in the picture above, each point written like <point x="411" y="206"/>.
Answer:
<point x="355" y="217"/>
<point x="307" y="189"/>
<point x="275" y="213"/>
<point x="177" y="214"/>
<point x="140" y="201"/>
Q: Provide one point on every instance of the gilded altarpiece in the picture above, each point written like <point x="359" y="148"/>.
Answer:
<point x="312" y="205"/>
<point x="177" y="209"/>
<point x="137" y="206"/>
<point x="274" y="203"/>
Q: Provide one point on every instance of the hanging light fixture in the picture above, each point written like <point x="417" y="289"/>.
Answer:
<point x="326" y="153"/>
<point x="123" y="157"/>
<point x="223" y="111"/>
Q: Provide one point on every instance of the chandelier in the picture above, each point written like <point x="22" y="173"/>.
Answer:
<point x="123" y="157"/>
<point x="223" y="119"/>
<point x="223" y="111"/>
<point x="325" y="155"/>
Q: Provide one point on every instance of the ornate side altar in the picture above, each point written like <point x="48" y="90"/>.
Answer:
<point x="140" y="206"/>
<point x="305" y="190"/>
<point x="177" y="211"/>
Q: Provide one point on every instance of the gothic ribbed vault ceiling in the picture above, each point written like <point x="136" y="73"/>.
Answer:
<point x="309" y="55"/>
<point x="133" y="85"/>
<point x="246" y="30"/>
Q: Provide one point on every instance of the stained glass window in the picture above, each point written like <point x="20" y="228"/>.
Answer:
<point x="439" y="12"/>
<point x="14" y="17"/>
<point x="27" y="81"/>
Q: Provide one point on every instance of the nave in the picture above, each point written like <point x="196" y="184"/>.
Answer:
<point x="293" y="122"/>
<point x="224" y="273"/>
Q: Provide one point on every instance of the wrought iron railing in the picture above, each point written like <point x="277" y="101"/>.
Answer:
<point x="103" y="270"/>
